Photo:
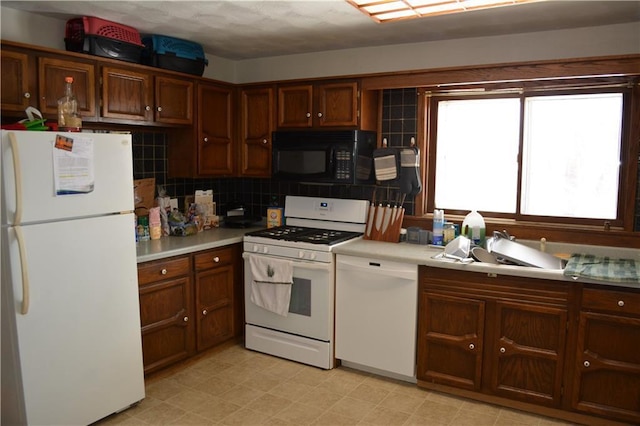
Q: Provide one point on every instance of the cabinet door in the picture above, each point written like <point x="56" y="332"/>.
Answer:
<point x="607" y="379"/>
<point x="295" y="106"/>
<point x="126" y="95"/>
<point x="173" y="100"/>
<point x="527" y="354"/>
<point x="450" y="340"/>
<point x="257" y="111"/>
<point x="215" y="138"/>
<point x="17" y="93"/>
<point x="214" y="305"/>
<point x="167" y="323"/>
<point x="51" y="75"/>
<point x="337" y="104"/>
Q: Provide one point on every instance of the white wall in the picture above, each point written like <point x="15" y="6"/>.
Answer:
<point x="582" y="42"/>
<point x="607" y="40"/>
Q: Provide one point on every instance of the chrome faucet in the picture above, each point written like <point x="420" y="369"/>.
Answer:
<point x="504" y="234"/>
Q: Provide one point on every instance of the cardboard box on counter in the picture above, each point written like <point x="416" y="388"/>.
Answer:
<point x="143" y="194"/>
<point x="204" y="199"/>
<point x="275" y="217"/>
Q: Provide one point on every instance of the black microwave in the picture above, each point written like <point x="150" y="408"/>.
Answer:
<point x="324" y="156"/>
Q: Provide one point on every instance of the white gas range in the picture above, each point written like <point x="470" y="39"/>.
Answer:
<point x="314" y="226"/>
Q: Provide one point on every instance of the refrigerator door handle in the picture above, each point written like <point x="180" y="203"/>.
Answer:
<point x="23" y="268"/>
<point x="17" y="217"/>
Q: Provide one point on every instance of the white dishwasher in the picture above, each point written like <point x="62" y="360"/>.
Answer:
<point x="376" y="315"/>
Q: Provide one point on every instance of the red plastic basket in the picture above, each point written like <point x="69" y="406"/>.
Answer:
<point x="74" y="32"/>
<point x="113" y="30"/>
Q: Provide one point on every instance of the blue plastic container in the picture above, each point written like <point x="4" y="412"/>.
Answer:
<point x="173" y="54"/>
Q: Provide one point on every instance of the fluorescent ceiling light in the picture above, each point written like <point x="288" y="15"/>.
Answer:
<point x="391" y="10"/>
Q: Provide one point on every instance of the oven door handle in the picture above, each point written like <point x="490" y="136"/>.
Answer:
<point x="318" y="266"/>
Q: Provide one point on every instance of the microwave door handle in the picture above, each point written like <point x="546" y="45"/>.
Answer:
<point x="332" y="164"/>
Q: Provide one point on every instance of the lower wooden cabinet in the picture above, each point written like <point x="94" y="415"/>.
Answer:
<point x="214" y="298"/>
<point x="188" y="304"/>
<point x="607" y="379"/>
<point x="558" y="348"/>
<point x="527" y="351"/>
<point x="450" y="339"/>
<point x="502" y="336"/>
<point x="166" y="312"/>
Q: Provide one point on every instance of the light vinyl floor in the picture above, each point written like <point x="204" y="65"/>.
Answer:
<point x="235" y="386"/>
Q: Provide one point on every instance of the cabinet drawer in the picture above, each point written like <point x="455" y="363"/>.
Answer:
<point x="149" y="272"/>
<point x="611" y="301"/>
<point x="213" y="258"/>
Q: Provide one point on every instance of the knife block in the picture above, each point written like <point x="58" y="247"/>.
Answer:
<point x="384" y="223"/>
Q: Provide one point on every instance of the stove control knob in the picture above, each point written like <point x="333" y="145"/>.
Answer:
<point x="255" y="248"/>
<point x="301" y="255"/>
<point x="312" y="256"/>
<point x="265" y="249"/>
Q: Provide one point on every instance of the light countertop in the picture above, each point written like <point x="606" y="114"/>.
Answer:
<point x="398" y="252"/>
<point x="424" y="255"/>
<point x="175" y="246"/>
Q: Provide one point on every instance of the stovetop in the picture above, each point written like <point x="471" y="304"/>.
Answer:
<point x="304" y="234"/>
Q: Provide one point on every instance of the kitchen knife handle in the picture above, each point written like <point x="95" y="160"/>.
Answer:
<point x="17" y="172"/>
<point x="23" y="268"/>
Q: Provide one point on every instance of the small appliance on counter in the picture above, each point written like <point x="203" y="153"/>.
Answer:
<point x="236" y="215"/>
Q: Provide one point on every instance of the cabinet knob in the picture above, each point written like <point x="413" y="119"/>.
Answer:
<point x="204" y="312"/>
<point x="472" y="346"/>
<point x="308" y="114"/>
<point x="163" y="272"/>
<point x="502" y="350"/>
<point x="147" y="108"/>
<point x="216" y="259"/>
<point x="205" y="139"/>
<point x="159" y="109"/>
<point x="264" y="141"/>
<point x="587" y="364"/>
<point x="185" y="319"/>
<point x="319" y="115"/>
<point x="621" y="303"/>
<point x="27" y="95"/>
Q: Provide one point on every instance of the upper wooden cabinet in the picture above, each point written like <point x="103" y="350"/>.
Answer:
<point x="174" y="100"/>
<point x="256" y="126"/>
<point x="18" y="90"/>
<point x="215" y="124"/>
<point x="132" y="95"/>
<point x="51" y="75"/>
<point x="337" y="104"/>
<point x="29" y="79"/>
<point x="206" y="148"/>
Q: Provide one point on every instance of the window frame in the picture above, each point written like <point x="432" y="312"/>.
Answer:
<point x="611" y="69"/>
<point x="489" y="91"/>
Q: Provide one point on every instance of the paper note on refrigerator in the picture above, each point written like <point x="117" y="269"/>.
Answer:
<point x="73" y="166"/>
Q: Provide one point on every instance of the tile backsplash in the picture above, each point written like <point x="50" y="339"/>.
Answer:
<point x="399" y="123"/>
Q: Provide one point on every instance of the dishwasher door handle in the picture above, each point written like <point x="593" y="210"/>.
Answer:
<point x="379" y="268"/>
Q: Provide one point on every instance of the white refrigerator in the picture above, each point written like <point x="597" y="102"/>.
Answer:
<point x="71" y="343"/>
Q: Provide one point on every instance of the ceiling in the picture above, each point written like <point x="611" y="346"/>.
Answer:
<point x="244" y="29"/>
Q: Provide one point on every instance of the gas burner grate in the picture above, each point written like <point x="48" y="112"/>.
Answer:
<point x="307" y="235"/>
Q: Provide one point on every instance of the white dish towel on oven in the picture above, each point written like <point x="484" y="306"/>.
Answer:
<point x="271" y="281"/>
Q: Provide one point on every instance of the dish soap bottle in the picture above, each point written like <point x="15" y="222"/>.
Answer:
<point x="473" y="227"/>
<point x="438" y="227"/>
<point x="68" y="118"/>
